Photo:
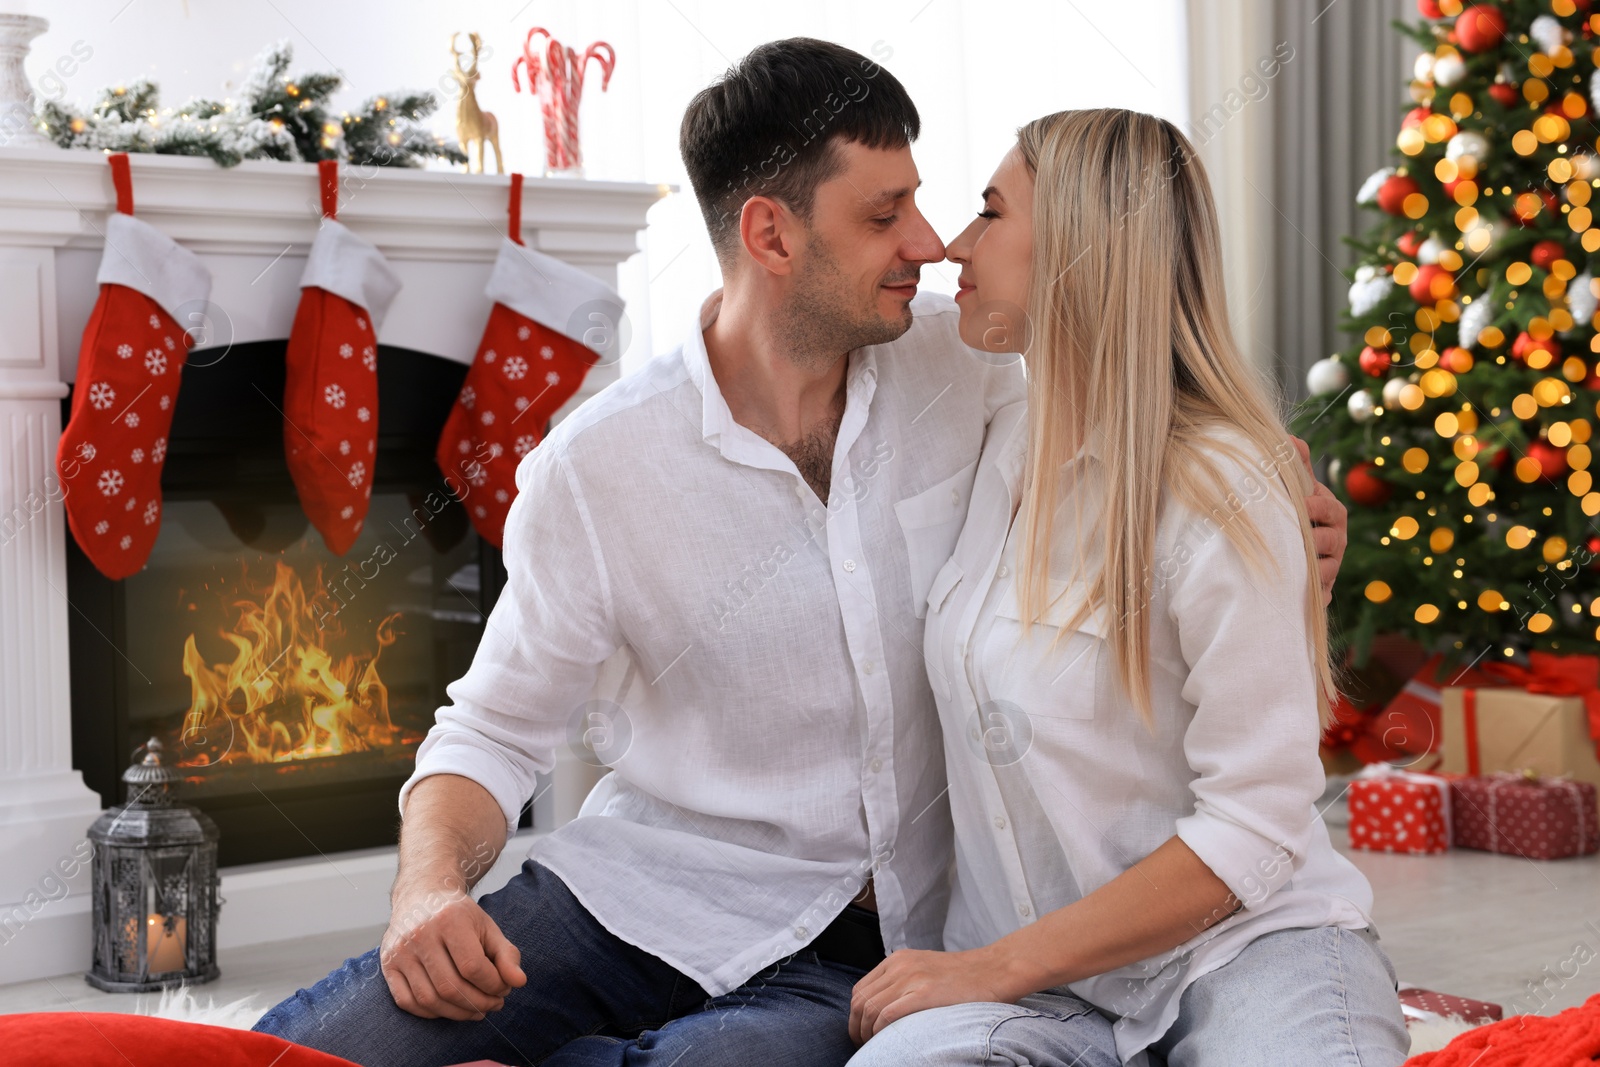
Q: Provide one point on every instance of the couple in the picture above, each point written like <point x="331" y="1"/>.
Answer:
<point x="1015" y="678"/>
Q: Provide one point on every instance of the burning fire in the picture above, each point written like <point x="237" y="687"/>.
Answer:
<point x="285" y="696"/>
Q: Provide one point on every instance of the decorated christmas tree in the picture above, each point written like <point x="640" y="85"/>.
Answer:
<point x="1459" y="421"/>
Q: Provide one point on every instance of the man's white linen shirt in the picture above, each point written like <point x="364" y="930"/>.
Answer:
<point x="755" y="653"/>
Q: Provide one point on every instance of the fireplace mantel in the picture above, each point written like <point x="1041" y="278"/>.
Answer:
<point x="251" y="225"/>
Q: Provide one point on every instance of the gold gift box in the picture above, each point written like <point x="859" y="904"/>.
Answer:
<point x="1518" y="730"/>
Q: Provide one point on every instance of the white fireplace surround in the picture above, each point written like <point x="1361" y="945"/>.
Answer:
<point x="251" y="225"/>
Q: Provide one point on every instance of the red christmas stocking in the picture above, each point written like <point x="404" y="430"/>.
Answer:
<point x="330" y="392"/>
<point x="115" y="443"/>
<point x="531" y="360"/>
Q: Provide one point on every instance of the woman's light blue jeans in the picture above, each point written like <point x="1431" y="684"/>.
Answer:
<point x="1322" y="997"/>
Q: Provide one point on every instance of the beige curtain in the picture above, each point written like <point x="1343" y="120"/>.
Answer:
<point x="1292" y="105"/>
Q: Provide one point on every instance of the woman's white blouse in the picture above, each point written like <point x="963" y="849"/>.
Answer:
<point x="1056" y="784"/>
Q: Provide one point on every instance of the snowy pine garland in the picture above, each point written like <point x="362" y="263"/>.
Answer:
<point x="278" y="117"/>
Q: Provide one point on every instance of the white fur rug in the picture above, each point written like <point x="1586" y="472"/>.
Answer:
<point x="182" y="1005"/>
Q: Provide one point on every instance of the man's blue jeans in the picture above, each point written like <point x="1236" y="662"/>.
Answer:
<point x="591" y="999"/>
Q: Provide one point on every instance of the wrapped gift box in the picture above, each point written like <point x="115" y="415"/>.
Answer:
<point x="1399" y="811"/>
<point x="1542" y="819"/>
<point x="1487" y="730"/>
<point x="1419" y="1005"/>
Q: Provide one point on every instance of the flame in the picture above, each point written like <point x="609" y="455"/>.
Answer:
<point x="285" y="696"/>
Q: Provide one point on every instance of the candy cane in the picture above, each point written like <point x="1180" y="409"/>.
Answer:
<point x="557" y="79"/>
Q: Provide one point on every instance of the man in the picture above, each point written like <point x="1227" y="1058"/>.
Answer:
<point x="733" y="547"/>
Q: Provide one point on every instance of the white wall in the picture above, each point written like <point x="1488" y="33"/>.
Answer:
<point x="976" y="68"/>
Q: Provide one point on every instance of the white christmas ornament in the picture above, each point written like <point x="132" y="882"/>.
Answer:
<point x="1449" y="70"/>
<point x="1429" y="251"/>
<point x="1327" y="376"/>
<point x="1474" y="317"/>
<point x="1585" y="166"/>
<point x="1391" y="392"/>
<point x="1366" y="295"/>
<point x="1467" y="143"/>
<point x="1547" y="33"/>
<point x="1581" y="299"/>
<point x="1361" y="405"/>
<point x="1369" y="188"/>
<point x="1335" y="469"/>
<point x="1366" y="272"/>
<point x="1422" y="69"/>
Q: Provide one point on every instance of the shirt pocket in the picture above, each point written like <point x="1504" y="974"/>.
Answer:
<point x="931" y="522"/>
<point x="1068" y="681"/>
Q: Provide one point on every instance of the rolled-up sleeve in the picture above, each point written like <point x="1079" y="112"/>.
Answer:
<point x="541" y="649"/>
<point x="1252" y="743"/>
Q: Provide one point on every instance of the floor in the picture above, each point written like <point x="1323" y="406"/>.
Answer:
<point x="1471" y="923"/>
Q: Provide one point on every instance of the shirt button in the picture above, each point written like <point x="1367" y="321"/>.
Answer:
<point x="800" y="932"/>
<point x="1004" y="571"/>
<point x="999" y="823"/>
<point x="867" y="667"/>
<point x="1024" y="910"/>
<point x="849" y="566"/>
<point x="955" y="498"/>
<point x="876" y="765"/>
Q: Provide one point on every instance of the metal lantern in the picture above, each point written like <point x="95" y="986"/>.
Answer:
<point x="155" y="885"/>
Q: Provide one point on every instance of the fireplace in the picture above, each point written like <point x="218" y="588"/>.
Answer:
<point x="88" y="668"/>
<point x="290" y="686"/>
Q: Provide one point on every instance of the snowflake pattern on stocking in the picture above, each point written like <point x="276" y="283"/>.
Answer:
<point x="334" y="395"/>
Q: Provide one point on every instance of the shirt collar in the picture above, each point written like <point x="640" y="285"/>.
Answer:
<point x="717" y="425"/>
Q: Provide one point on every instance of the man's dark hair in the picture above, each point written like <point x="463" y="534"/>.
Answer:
<point x="772" y="124"/>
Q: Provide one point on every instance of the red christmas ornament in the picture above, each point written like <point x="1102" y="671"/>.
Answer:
<point x="1415" y="116"/>
<point x="1409" y="242"/>
<point x="1432" y="284"/>
<point x="1552" y="460"/>
<point x="1456" y="360"/>
<point x="1480" y="27"/>
<point x="115" y="443"/>
<point x="1429" y="9"/>
<point x="1559" y="109"/>
<point x="1545" y="253"/>
<point x="1526" y="208"/>
<point x="1393" y="192"/>
<point x="1375" y="361"/>
<point x="1593" y="545"/>
<point x="1505" y="93"/>
<point x="330" y="391"/>
<point x="1364" y="487"/>
<point x="529" y="363"/>
<point x="1525" y="343"/>
<point x="1497" y="458"/>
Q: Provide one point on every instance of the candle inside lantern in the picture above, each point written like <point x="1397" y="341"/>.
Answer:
<point x="164" y="948"/>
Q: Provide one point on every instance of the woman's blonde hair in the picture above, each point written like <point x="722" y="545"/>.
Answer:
<point x="1129" y="341"/>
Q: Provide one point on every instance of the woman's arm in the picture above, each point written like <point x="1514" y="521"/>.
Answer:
<point x="1157" y="904"/>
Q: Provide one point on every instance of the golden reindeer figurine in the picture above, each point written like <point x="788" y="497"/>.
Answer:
<point x="473" y="124"/>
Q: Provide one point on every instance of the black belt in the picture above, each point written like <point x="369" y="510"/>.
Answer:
<point x="852" y="939"/>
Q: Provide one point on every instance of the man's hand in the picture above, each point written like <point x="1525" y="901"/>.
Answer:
<point x="913" y="980"/>
<point x="1330" y="526"/>
<point x="443" y="957"/>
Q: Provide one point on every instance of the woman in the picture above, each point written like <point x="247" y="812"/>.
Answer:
<point x="1128" y="649"/>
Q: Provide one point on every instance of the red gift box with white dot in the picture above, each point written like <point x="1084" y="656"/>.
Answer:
<point x="1399" y="811"/>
